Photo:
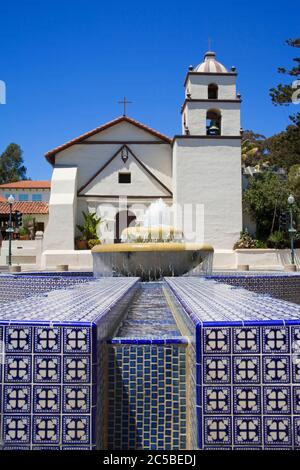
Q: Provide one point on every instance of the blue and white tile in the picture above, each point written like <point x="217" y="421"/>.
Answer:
<point x="17" y="368"/>
<point x="276" y="369"/>
<point x="47" y="339"/>
<point x="247" y="399"/>
<point x="46" y="398"/>
<point x="76" y="369"/>
<point x="47" y="369"/>
<point x="17" y="399"/>
<point x="246" y="340"/>
<point x="77" y="340"/>
<point x="276" y="400"/>
<point x="246" y="369"/>
<point x="16" y="429"/>
<point x="247" y="430"/>
<point x="216" y="369"/>
<point x="277" y="431"/>
<point x="76" y="399"/>
<point x="18" y="339"/>
<point x="76" y="429"/>
<point x="46" y="430"/>
<point x="217" y="400"/>
<point x="216" y="340"/>
<point x="275" y="339"/>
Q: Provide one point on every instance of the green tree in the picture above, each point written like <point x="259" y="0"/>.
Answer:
<point x="252" y="148"/>
<point x="283" y="149"/>
<point x="294" y="182"/>
<point x="282" y="94"/>
<point x="12" y="165"/>
<point x="265" y="199"/>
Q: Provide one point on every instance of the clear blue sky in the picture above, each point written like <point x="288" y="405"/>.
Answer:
<point x="67" y="63"/>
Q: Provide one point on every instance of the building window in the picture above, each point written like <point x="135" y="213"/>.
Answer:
<point x="124" y="178"/>
<point x="6" y="195"/>
<point x="36" y="197"/>
<point x="213" y="122"/>
<point x="23" y="197"/>
<point x="212" y="91"/>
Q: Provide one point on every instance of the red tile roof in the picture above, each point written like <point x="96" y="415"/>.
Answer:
<point x="27" y="184"/>
<point x="50" y="156"/>
<point x="25" y="207"/>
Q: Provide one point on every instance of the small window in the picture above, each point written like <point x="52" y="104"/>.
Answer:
<point x="36" y="197"/>
<point x="23" y="197"/>
<point x="212" y="91"/>
<point x="125" y="178"/>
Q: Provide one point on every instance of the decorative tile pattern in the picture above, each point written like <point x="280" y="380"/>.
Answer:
<point x="248" y="396"/>
<point x="49" y="384"/>
<point x="246" y="399"/>
<point x="47" y="340"/>
<point x="147" y="406"/>
<point x="246" y="340"/>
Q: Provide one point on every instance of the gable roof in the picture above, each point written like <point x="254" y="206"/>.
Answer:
<point x="50" y="156"/>
<point x="35" y="207"/>
<point x="27" y="184"/>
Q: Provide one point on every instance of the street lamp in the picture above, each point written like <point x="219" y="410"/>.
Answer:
<point x="292" y="231"/>
<point x="10" y="230"/>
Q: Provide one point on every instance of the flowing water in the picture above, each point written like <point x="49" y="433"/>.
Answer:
<point x="149" y="314"/>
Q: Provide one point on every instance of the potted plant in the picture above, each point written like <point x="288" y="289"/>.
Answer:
<point x="23" y="234"/>
<point x="88" y="230"/>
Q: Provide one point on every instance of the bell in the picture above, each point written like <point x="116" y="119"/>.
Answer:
<point x="213" y="129"/>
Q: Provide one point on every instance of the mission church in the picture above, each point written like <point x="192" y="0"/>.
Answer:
<point x="122" y="164"/>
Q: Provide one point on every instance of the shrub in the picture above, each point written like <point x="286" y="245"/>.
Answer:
<point x="245" y="241"/>
<point x="277" y="240"/>
<point x="93" y="242"/>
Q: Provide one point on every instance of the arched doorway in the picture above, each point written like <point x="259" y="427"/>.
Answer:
<point x="124" y="219"/>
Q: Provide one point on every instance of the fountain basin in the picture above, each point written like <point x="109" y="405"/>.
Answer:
<point x="151" y="261"/>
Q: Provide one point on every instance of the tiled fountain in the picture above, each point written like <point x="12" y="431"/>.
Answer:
<point x="190" y="362"/>
<point x="118" y="364"/>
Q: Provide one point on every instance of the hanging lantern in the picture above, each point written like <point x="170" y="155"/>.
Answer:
<point x="124" y="154"/>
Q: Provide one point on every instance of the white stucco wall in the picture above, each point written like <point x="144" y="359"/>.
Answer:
<point x="60" y="231"/>
<point x="195" y="116"/>
<point x="208" y="172"/>
<point x="197" y="86"/>
<point x="90" y="158"/>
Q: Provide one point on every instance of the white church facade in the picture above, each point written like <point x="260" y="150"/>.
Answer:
<point x="123" y="166"/>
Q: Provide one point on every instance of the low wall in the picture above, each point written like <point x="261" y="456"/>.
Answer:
<point x="281" y="286"/>
<point x="76" y="259"/>
<point x="23" y="252"/>
<point x="263" y="259"/>
<point x="20" y="286"/>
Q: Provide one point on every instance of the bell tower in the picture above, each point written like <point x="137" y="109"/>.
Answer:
<point x="211" y="105"/>
<point x="207" y="155"/>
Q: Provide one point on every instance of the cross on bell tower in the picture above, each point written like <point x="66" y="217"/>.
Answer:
<point x="125" y="102"/>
